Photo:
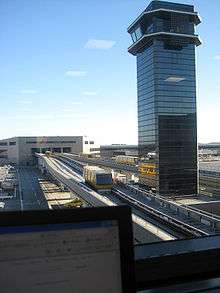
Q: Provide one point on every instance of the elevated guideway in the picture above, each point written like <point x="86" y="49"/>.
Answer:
<point x="144" y="230"/>
<point x="181" y="216"/>
<point x="74" y="182"/>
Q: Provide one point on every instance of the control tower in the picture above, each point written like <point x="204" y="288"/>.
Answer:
<point x="164" y="42"/>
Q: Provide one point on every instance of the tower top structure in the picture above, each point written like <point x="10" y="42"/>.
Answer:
<point x="165" y="20"/>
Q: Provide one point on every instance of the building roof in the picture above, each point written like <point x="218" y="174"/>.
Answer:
<point x="212" y="145"/>
<point x="213" y="166"/>
<point x="118" y="147"/>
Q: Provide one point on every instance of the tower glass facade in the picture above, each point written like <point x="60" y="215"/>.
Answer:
<point x="164" y="43"/>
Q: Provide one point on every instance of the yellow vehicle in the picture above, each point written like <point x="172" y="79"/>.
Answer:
<point x="98" y="178"/>
<point x="147" y="169"/>
<point x="76" y="203"/>
<point x="147" y="174"/>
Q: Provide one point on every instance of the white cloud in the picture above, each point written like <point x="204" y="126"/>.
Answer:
<point x="22" y="129"/>
<point x="24" y="102"/>
<point x="217" y="57"/>
<point x="67" y="110"/>
<point x="87" y="93"/>
<point x="44" y="116"/>
<point x="28" y="117"/>
<point x="175" y="79"/>
<point x="99" y="44"/>
<point x="39" y="117"/>
<point x="76" y="73"/>
<point x="28" y="91"/>
<point x="63" y="116"/>
<point x="76" y="103"/>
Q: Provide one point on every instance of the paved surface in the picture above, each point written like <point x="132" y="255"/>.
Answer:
<point x="210" y="166"/>
<point x="11" y="204"/>
<point x="209" y="207"/>
<point x="29" y="195"/>
<point x="195" y="200"/>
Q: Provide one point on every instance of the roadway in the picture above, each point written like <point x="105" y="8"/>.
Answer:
<point x="28" y="195"/>
<point x="11" y="204"/>
<point x="31" y="195"/>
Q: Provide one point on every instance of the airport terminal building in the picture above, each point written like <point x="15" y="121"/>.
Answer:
<point x="21" y="150"/>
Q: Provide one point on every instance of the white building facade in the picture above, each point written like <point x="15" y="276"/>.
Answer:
<point x="21" y="150"/>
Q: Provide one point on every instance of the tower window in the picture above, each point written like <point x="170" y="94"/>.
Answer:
<point x="170" y="45"/>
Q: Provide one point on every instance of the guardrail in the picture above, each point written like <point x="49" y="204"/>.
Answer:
<point x="74" y="183"/>
<point x="211" y="221"/>
<point x="176" y="225"/>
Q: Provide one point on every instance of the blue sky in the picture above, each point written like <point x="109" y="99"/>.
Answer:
<point x="65" y="70"/>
